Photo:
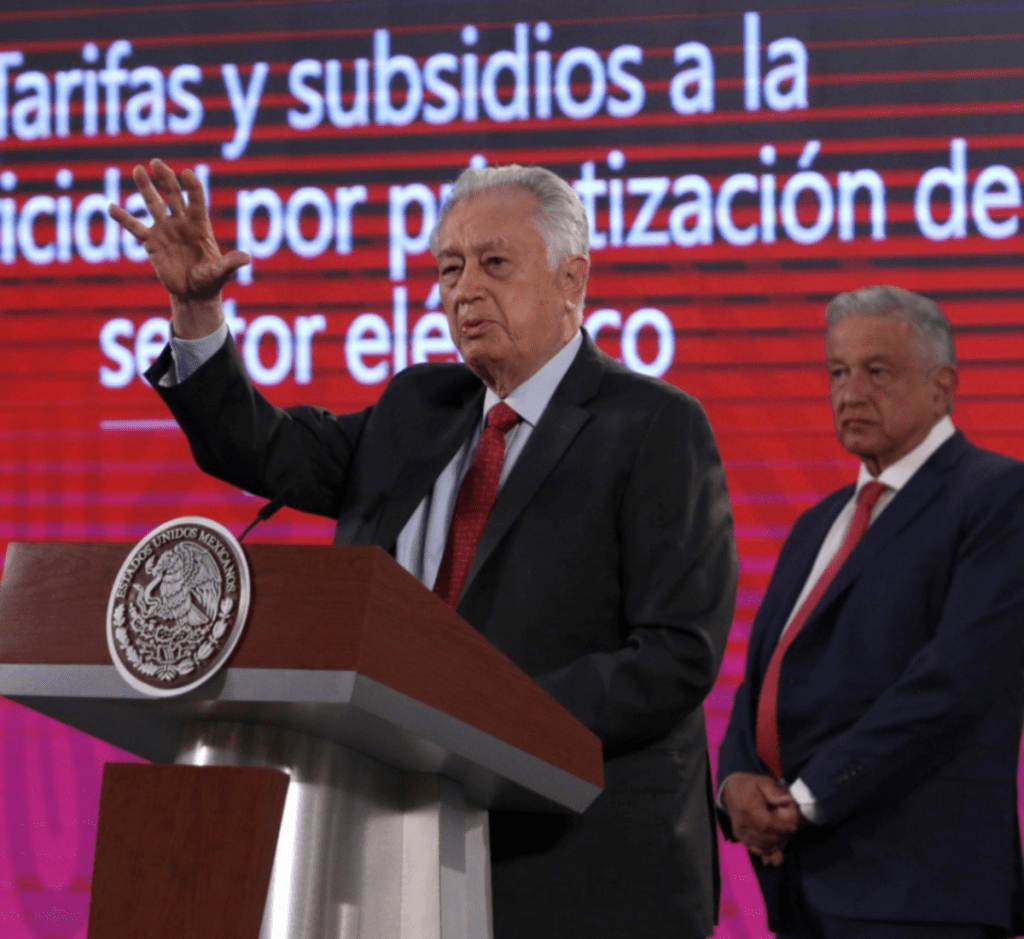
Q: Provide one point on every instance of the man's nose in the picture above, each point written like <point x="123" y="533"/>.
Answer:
<point x="854" y="388"/>
<point x="468" y="287"/>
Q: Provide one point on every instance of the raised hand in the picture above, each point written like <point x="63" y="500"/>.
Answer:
<point x="182" y="248"/>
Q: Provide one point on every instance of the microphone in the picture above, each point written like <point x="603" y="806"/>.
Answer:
<point x="263" y="514"/>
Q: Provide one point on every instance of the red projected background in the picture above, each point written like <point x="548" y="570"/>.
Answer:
<point x="740" y="166"/>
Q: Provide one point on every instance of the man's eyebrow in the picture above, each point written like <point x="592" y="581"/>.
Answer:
<point x="492" y="244"/>
<point x="867" y="360"/>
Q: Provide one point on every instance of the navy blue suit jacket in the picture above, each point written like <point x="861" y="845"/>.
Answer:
<point x="901" y="701"/>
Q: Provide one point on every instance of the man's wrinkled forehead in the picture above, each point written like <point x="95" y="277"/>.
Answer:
<point x="490" y="235"/>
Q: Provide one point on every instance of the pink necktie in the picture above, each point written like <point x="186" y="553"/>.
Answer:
<point x="474" y="503"/>
<point x="767" y="735"/>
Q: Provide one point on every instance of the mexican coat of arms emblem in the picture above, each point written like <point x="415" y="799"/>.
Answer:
<point x="178" y="606"/>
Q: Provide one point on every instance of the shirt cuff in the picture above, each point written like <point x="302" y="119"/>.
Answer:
<point x="718" y="795"/>
<point x="805" y="800"/>
<point x="190" y="354"/>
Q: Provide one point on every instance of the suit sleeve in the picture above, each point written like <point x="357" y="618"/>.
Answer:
<point x="965" y="673"/>
<point x="299" y="454"/>
<point x="678" y="587"/>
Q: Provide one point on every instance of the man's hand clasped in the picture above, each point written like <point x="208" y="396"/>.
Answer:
<point x="763" y="814"/>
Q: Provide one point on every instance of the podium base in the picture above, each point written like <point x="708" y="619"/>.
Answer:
<point x="365" y="851"/>
<point x="184" y="851"/>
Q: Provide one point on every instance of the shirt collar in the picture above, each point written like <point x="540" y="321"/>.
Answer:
<point x="898" y="474"/>
<point x="530" y="398"/>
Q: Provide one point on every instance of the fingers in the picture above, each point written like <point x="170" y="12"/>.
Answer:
<point x="212" y="279"/>
<point x="763" y="814"/>
<point x="154" y="203"/>
<point x="787" y="817"/>
<point x="764" y="834"/>
<point x="206" y="279"/>
<point x="150" y="196"/>
<point x="170" y="186"/>
<point x="762" y="827"/>
<point x="755" y="798"/>
<point x="233" y="260"/>
<point x="128" y="221"/>
<point x="196" y="196"/>
<point x="774" y="795"/>
<point x="761" y="840"/>
<point x="180" y="240"/>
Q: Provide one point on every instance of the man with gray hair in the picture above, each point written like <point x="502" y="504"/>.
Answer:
<point x="870" y="762"/>
<point x="572" y="511"/>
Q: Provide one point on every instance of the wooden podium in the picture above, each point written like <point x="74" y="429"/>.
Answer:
<point x="396" y="723"/>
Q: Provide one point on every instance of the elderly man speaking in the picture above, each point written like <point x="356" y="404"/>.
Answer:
<point x="574" y="512"/>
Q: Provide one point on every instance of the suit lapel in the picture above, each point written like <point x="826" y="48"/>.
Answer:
<point x="561" y="421"/>
<point x="923" y="488"/>
<point x="433" y="441"/>
<point x="793" y="569"/>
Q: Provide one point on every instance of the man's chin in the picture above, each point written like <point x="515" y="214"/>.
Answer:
<point x="477" y="358"/>
<point x="859" y="441"/>
<point x="483" y="363"/>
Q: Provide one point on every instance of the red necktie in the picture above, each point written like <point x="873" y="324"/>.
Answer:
<point x="476" y="499"/>
<point x="768" y="703"/>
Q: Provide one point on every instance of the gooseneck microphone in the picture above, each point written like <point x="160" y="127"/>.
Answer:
<point x="263" y="514"/>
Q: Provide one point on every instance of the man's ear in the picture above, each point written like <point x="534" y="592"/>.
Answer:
<point x="946" y="379"/>
<point x="575" y="270"/>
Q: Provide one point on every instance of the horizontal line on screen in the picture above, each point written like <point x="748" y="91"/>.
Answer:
<point x="604" y="23"/>
<point x="775" y="498"/>
<point x="220" y="102"/>
<point x="97" y="466"/>
<point x="138" y="424"/>
<point x="748" y="597"/>
<point x="308" y="532"/>
<point x="757" y="565"/>
<point x="261" y="165"/>
<point x="172" y="500"/>
<point x="779" y="122"/>
<point x="790" y="464"/>
<point x="763" y="531"/>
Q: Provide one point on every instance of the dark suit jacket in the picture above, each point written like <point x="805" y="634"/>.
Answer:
<point x="900" y="701"/>
<point x="606" y="571"/>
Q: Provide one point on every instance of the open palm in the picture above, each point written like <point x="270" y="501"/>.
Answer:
<point x="180" y="241"/>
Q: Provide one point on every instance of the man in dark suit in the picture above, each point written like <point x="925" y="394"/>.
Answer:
<point x="870" y="762"/>
<point x="606" y="568"/>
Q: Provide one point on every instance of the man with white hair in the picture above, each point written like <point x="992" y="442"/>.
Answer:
<point x="870" y="763"/>
<point x="572" y="511"/>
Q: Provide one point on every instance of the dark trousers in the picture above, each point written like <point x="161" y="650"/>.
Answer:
<point x="835" y="927"/>
<point x="805" y="922"/>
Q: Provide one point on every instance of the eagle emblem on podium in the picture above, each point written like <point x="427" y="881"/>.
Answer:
<point x="178" y="606"/>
